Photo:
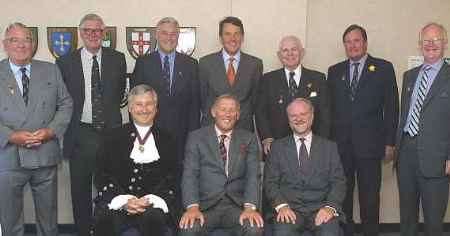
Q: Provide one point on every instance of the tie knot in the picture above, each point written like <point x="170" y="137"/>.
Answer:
<point x="23" y="69"/>
<point x="302" y="140"/>
<point x="166" y="58"/>
<point x="231" y="59"/>
<point x="426" y="68"/>
<point x="223" y="137"/>
<point x="355" y="64"/>
<point x="291" y="74"/>
<point x="94" y="57"/>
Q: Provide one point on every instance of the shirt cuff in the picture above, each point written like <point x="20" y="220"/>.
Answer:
<point x="192" y="205"/>
<point x="335" y="213"/>
<point x="119" y="201"/>
<point x="250" y="205"/>
<point x="277" y="208"/>
<point x="157" y="202"/>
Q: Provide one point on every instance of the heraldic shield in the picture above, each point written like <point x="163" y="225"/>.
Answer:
<point x="109" y="37"/>
<point x="62" y="40"/>
<point x="140" y="40"/>
<point x="34" y="36"/>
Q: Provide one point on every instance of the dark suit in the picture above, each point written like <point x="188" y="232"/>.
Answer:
<point x="180" y="113"/>
<point x="213" y="83"/>
<point x="80" y="142"/>
<point x="116" y="172"/>
<point x="304" y="192"/>
<point x="273" y="98"/>
<point x="422" y="159"/>
<point x="49" y="106"/>
<point x="362" y="128"/>
<point x="205" y="182"/>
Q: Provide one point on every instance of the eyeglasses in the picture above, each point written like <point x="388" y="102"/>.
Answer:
<point x="432" y="41"/>
<point x="91" y="31"/>
<point x="17" y="41"/>
<point x="168" y="34"/>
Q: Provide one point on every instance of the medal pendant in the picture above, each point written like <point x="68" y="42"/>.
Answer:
<point x="141" y="148"/>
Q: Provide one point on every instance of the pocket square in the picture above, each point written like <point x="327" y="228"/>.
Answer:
<point x="313" y="94"/>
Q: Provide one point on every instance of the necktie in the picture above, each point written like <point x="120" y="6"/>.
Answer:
<point x="292" y="85"/>
<point x="96" y="96"/>
<point x="413" y="127"/>
<point x="303" y="156"/>
<point x="166" y="75"/>
<point x="223" y="150"/>
<point x="354" y="83"/>
<point x="231" y="73"/>
<point x="25" y="84"/>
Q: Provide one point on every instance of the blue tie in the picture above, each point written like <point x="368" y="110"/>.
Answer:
<point x="413" y="127"/>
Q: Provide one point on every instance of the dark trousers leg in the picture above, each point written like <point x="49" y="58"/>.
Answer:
<point x="407" y="171"/>
<point x="369" y="183"/>
<point x="434" y="196"/>
<point x="349" y="166"/>
<point x="82" y="165"/>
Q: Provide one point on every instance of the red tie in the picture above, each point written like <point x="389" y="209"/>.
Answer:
<point x="231" y="73"/>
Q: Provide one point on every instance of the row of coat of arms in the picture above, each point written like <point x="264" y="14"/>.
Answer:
<point x="140" y="40"/>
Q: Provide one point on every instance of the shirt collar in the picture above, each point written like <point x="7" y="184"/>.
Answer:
<point x="307" y="137"/>
<point x="297" y="71"/>
<point x="89" y="55"/>
<point x="218" y="132"/>
<point x="162" y="54"/>
<point x="16" y="68"/>
<point x="226" y="56"/>
<point x="435" y="66"/>
<point x="361" y="61"/>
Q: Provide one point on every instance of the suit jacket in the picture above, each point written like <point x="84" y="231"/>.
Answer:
<point x="273" y="98"/>
<point x="204" y="180"/>
<point x="369" y="123"/>
<point x="180" y="113"/>
<point x="324" y="185"/>
<point x="117" y="174"/>
<point x="214" y="82"/>
<point x="49" y="106"/>
<point x="113" y="73"/>
<point x="433" y="140"/>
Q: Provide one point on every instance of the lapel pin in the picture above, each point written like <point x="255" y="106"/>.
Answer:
<point x="372" y="68"/>
<point x="309" y="85"/>
<point x="133" y="134"/>
<point x="408" y="89"/>
<point x="11" y="89"/>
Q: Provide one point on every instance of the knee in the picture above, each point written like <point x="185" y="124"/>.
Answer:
<point x="282" y="229"/>
<point x="196" y="229"/>
<point x="155" y="215"/>
<point x="252" y="230"/>
<point x="330" y="228"/>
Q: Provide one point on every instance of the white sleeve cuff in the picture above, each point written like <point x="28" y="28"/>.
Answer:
<point x="119" y="201"/>
<point x="157" y="202"/>
<point x="277" y="208"/>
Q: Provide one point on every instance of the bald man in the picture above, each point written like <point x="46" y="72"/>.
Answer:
<point x="279" y="87"/>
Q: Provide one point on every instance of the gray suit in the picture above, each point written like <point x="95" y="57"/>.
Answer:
<point x="213" y="83"/>
<point x="421" y="161"/>
<point x="50" y="106"/>
<point x="305" y="193"/>
<point x="204" y="180"/>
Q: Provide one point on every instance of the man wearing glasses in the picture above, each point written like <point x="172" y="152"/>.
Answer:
<point x="423" y="137"/>
<point x="95" y="78"/>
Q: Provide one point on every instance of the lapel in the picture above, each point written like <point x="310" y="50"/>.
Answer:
<point x="179" y="82"/>
<point x="305" y="83"/>
<point x="441" y="78"/>
<point x="38" y="84"/>
<point x="213" y="144"/>
<point x="243" y="63"/>
<point x="220" y="74"/>
<point x="366" y="75"/>
<point x="345" y="76"/>
<point x="78" y="74"/>
<point x="315" y="154"/>
<point x="407" y="92"/>
<point x="132" y="132"/>
<point x="234" y="151"/>
<point x="292" y="156"/>
<point x="106" y="73"/>
<point x="281" y="85"/>
<point x="10" y="86"/>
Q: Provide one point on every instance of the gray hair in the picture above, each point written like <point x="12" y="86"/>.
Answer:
<point x="139" y="90"/>
<point x="92" y="17"/>
<point x="167" y="20"/>
<point x="301" y="100"/>
<point x="434" y="24"/>
<point x="293" y="38"/>
<point x="227" y="96"/>
<point x="20" y="25"/>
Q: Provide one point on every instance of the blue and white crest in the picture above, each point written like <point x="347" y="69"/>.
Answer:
<point x="62" y="40"/>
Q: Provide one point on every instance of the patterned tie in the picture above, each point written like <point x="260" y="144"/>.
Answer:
<point x="98" y="120"/>
<point x="354" y="83"/>
<point x="303" y="156"/>
<point x="166" y="75"/>
<point x="413" y="127"/>
<point x="25" y="84"/>
<point x="231" y="73"/>
<point x="223" y="150"/>
<point x="292" y="85"/>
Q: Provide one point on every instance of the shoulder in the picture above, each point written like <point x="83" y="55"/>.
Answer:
<point x="112" y="52"/>
<point x="208" y="58"/>
<point x="313" y="73"/>
<point x="324" y="143"/>
<point x="185" y="58"/>
<point x="273" y="74"/>
<point x="378" y="61"/>
<point x="336" y="69"/>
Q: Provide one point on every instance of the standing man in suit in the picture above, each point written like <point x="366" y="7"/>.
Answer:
<point x="364" y="117"/>
<point x="423" y="163"/>
<point x="36" y="109"/>
<point x="304" y="179"/>
<point x="220" y="184"/>
<point x="135" y="173"/>
<point x="95" y="78"/>
<point x="279" y="87"/>
<point x="174" y="77"/>
<point x="230" y="71"/>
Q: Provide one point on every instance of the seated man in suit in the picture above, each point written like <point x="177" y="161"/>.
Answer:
<point x="304" y="179"/>
<point x="220" y="183"/>
<point x="279" y="87"/>
<point x="135" y="174"/>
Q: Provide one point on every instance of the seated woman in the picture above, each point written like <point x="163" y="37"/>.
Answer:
<point x="136" y="173"/>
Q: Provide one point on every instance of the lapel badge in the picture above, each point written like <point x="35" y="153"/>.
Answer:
<point x="343" y="77"/>
<point x="372" y="68"/>
<point x="11" y="89"/>
<point x="280" y="100"/>
<point x="133" y="134"/>
<point x="309" y="85"/>
<point x="408" y="89"/>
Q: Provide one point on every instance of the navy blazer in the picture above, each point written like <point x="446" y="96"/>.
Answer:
<point x="369" y="123"/>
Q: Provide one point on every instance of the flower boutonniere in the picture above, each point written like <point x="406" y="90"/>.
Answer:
<point x="309" y="85"/>
<point x="372" y="68"/>
<point x="243" y="149"/>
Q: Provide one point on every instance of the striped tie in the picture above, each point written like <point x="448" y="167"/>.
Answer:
<point x="413" y="127"/>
